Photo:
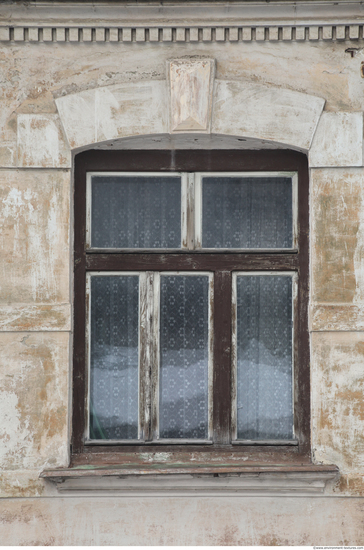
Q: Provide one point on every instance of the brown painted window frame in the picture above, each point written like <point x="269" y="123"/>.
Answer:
<point x="222" y="264"/>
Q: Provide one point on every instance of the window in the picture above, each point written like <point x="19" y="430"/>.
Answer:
<point x="191" y="286"/>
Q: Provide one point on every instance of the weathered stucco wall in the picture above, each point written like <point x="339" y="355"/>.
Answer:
<point x="190" y="522"/>
<point x="57" y="96"/>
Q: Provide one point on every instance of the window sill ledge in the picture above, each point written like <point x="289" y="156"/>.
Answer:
<point x="194" y="481"/>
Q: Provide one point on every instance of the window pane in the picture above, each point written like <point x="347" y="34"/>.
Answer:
<point x="264" y="357"/>
<point x="136" y="212"/>
<point x="246" y="212"/>
<point x="114" y="357"/>
<point x="183" y="399"/>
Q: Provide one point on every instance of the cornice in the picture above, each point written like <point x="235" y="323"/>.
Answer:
<point x="182" y="22"/>
<point x="207" y="12"/>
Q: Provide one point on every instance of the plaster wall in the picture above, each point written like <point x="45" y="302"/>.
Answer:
<point x="198" y="521"/>
<point x="57" y="97"/>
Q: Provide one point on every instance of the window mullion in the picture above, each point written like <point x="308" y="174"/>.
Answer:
<point x="211" y="359"/>
<point x="198" y="211"/>
<point x="234" y="420"/>
<point x="149" y="355"/>
<point x="146" y="355"/>
<point x="155" y="353"/>
<point x="222" y="357"/>
<point x="187" y="211"/>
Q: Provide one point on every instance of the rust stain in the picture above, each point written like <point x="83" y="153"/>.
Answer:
<point x="351" y="485"/>
<point x="12" y="488"/>
<point x="325" y="420"/>
<point x="230" y="536"/>
<point x="359" y="348"/>
<point x="54" y="421"/>
<point x="37" y="124"/>
<point x="272" y="540"/>
<point x="26" y="514"/>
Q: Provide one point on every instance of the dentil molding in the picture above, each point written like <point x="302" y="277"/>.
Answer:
<point x="62" y="22"/>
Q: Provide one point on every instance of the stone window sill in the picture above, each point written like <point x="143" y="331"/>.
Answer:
<point x="193" y="481"/>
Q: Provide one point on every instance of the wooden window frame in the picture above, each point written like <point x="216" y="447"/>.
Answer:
<point x="222" y="264"/>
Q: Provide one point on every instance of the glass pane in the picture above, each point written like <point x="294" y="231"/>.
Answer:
<point x="264" y="357"/>
<point x="136" y="212"/>
<point x="183" y="398"/>
<point x="114" y="357"/>
<point x="246" y="212"/>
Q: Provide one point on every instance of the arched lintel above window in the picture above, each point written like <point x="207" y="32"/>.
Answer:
<point x="201" y="112"/>
<point x="238" y="108"/>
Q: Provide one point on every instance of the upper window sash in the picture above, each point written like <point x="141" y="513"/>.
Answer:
<point x="204" y="202"/>
<point x="174" y="205"/>
<point x="202" y="199"/>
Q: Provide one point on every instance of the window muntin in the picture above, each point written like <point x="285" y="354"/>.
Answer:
<point x="192" y="259"/>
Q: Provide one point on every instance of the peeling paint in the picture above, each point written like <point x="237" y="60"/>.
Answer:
<point x="12" y="430"/>
<point x="155" y="457"/>
<point x="35" y="317"/>
<point x="34" y="400"/>
<point x="22" y="484"/>
<point x="41" y="142"/>
<point x="338" y="140"/>
<point x="34" y="216"/>
<point x="336" y="210"/>
<point x="337" y="400"/>
<point x="359" y="254"/>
